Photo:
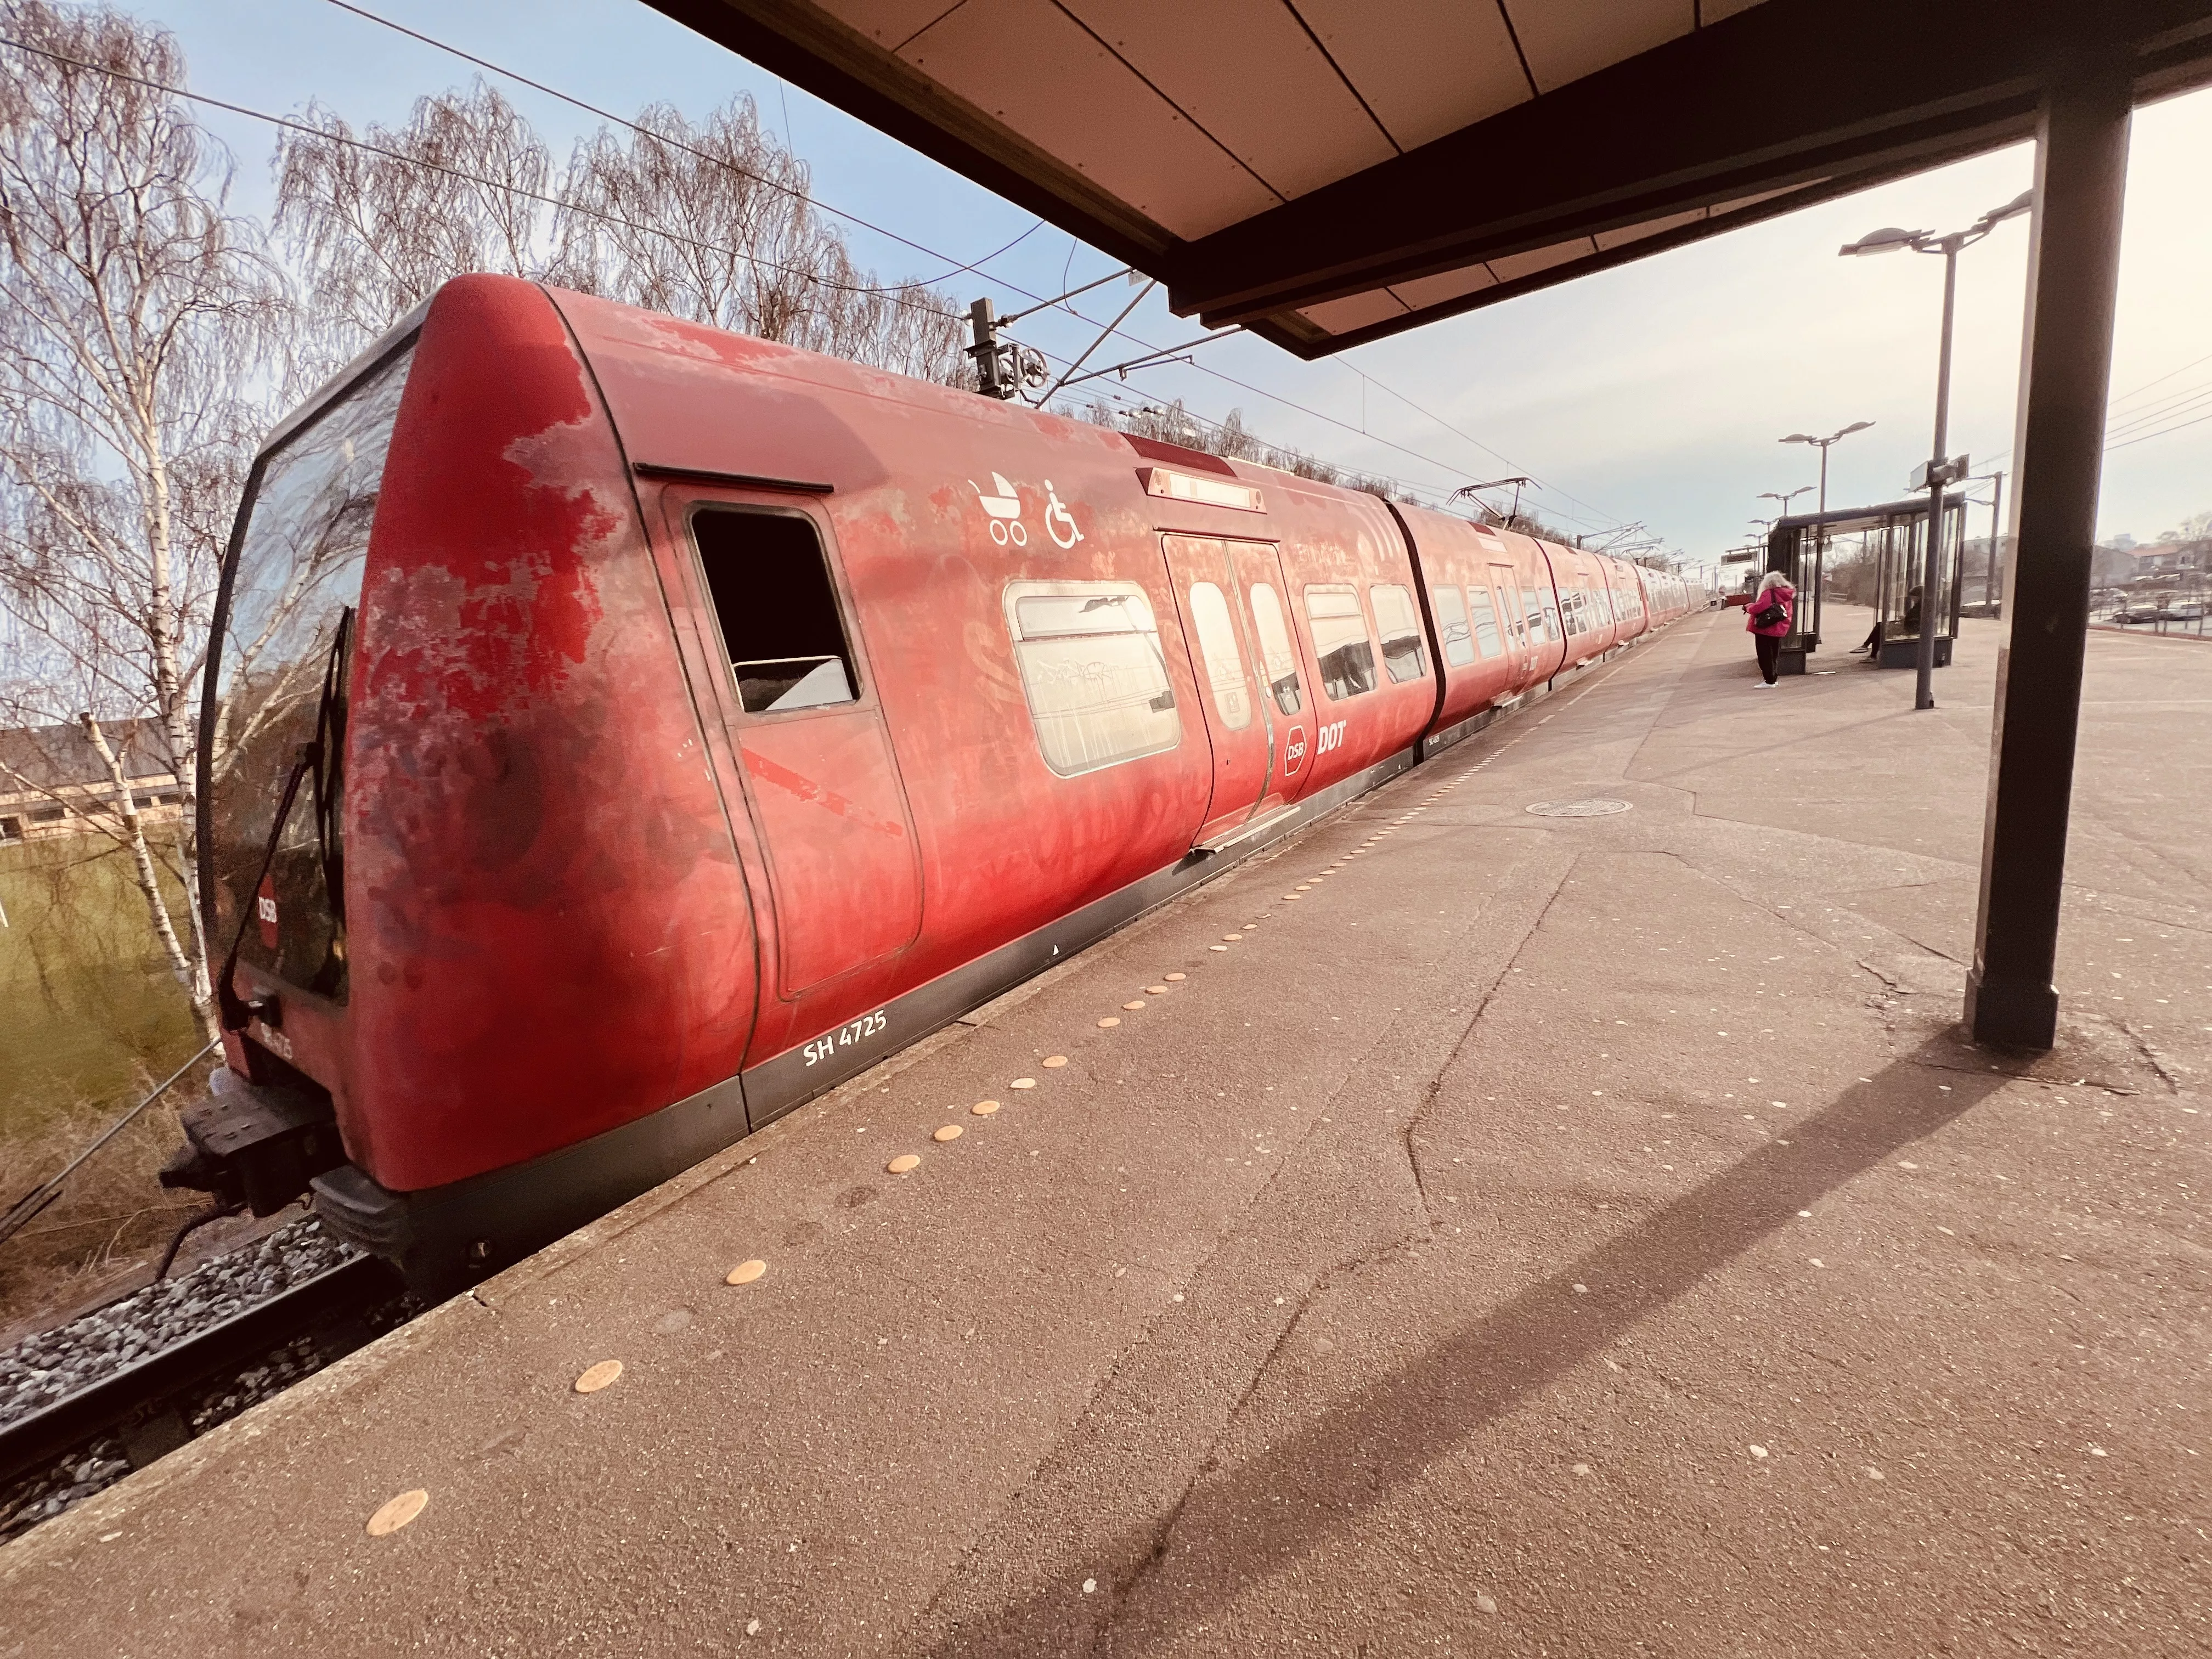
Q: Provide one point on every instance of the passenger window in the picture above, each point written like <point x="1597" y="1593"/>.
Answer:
<point x="1405" y="652"/>
<point x="1225" y="665"/>
<point x="1092" y="670"/>
<point x="1279" y="662"/>
<point x="1486" y="622"/>
<point x="770" y="586"/>
<point x="1451" y="626"/>
<point x="1341" y="647"/>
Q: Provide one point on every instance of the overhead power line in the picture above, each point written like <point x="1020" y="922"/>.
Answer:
<point x="896" y="295"/>
<point x="721" y="161"/>
<point x="1038" y="301"/>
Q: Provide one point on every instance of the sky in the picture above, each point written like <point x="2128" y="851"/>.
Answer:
<point x="1655" y="391"/>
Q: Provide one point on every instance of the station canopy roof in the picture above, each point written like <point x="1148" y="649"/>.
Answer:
<point x="1329" y="172"/>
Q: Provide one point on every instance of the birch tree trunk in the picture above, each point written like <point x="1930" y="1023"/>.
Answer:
<point x="139" y="322"/>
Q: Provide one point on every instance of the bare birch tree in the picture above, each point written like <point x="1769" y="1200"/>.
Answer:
<point x="374" y="221"/>
<point x="136" y="317"/>
<point x="713" y="222"/>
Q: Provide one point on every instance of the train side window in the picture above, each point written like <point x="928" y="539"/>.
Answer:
<point x="1092" y="673"/>
<point x="1486" y="621"/>
<point x="1405" y="654"/>
<point x="1279" y="661"/>
<point x="1225" y="664"/>
<point x="1535" y="609"/>
<point x="1341" y="645"/>
<point x="769" y="581"/>
<point x="1451" y="625"/>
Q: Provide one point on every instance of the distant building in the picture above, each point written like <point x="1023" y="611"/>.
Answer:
<point x="53" y="782"/>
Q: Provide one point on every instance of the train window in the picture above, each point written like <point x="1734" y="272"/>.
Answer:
<point x="1276" y="657"/>
<point x="1225" y="664"/>
<point x="1486" y="622"/>
<point x="1341" y="645"/>
<point x="1405" y="654"/>
<point x="1534" y="611"/>
<point x="1451" y="625"/>
<point x="770" y="585"/>
<point x="1097" y="686"/>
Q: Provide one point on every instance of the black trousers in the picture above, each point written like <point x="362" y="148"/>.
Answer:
<point x="1770" y="649"/>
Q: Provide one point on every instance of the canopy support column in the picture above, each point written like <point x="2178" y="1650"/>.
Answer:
<point x="2073" y="281"/>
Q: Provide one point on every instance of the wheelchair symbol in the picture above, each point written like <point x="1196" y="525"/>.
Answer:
<point x="1055" y="516"/>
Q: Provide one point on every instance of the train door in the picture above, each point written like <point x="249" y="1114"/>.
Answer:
<point x="1213" y="583"/>
<point x="1283" y="695"/>
<point x="1520" y="653"/>
<point x="819" y="774"/>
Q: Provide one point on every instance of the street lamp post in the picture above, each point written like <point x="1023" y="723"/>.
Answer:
<point x="1823" y="444"/>
<point x="1939" y="471"/>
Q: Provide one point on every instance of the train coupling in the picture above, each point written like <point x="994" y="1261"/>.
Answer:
<point x="255" y="1145"/>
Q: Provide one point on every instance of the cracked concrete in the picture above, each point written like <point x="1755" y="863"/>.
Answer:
<point x="1540" y="1236"/>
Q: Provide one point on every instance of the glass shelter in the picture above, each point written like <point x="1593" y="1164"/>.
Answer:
<point x="1870" y="557"/>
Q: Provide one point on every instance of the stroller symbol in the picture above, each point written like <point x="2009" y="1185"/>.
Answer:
<point x="1005" y="511"/>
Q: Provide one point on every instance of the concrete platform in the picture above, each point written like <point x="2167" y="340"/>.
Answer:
<point x="1541" y="1236"/>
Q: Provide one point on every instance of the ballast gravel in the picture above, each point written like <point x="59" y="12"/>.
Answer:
<point x="42" y="1369"/>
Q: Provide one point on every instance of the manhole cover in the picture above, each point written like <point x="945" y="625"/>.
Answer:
<point x="1592" y="806"/>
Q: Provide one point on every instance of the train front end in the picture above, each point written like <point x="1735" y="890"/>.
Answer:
<point x="470" y="901"/>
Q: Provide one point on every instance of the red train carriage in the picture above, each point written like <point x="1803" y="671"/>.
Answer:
<point x="621" y="731"/>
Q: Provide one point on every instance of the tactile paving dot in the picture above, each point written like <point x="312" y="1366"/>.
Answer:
<point x="1132" y="1005"/>
<point x="1294" y="897"/>
<point x="1210" y="947"/>
<point x="950" y="1132"/>
<point x="1172" y="978"/>
<point x="397" y="1512"/>
<point x="1232" y="937"/>
<point x="984" y="1107"/>
<point x="1155" y="990"/>
<point x="1112" y="1020"/>
<point x="745" y="1271"/>
<point x="903" y="1163"/>
<point x="1023" y="1083"/>
<point x="1055" y="1060"/>
<point x="598" y="1376"/>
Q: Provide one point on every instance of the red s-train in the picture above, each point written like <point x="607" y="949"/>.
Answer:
<point x="620" y="732"/>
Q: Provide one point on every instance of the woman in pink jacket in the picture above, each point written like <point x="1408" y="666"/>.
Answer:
<point x="1768" y="617"/>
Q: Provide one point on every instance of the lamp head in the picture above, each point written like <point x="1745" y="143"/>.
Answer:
<point x="1856" y="426"/>
<point x="1798" y="437"/>
<point x="2012" y="210"/>
<point x="1890" y="239"/>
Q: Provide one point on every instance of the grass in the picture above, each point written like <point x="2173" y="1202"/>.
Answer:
<point x="90" y="1019"/>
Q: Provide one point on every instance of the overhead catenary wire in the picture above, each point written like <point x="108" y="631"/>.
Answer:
<point x="1038" y="301"/>
<point x="723" y="161"/>
<point x="895" y="294"/>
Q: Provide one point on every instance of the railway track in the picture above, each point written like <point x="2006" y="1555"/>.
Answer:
<point x="124" y="1418"/>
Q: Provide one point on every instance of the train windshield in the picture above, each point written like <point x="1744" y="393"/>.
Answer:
<point x="288" y="606"/>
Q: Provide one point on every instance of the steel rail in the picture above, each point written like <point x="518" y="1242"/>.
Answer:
<point x="53" y="1432"/>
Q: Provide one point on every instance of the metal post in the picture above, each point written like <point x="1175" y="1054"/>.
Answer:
<point x="1997" y="535"/>
<point x="1923" y="692"/>
<point x="2074" y="275"/>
